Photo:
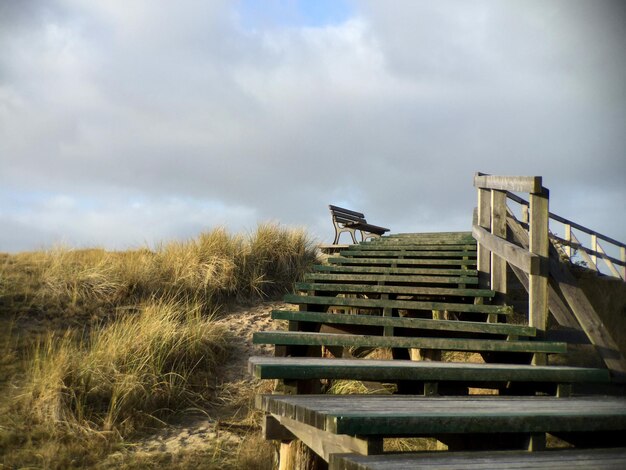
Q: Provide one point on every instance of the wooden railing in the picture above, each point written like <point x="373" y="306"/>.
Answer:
<point x="525" y="246"/>
<point x="494" y="250"/>
<point x="572" y="245"/>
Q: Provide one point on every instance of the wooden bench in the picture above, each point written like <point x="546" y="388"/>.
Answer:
<point x="346" y="220"/>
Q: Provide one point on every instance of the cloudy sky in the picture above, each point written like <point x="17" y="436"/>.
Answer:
<point x="128" y="122"/>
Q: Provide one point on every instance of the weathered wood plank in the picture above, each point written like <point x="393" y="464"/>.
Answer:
<point x="393" y="270"/>
<point x="427" y="237"/>
<point x="292" y="338"/>
<point x="513" y="254"/>
<point x="391" y="289"/>
<point x="390" y="246"/>
<point x="498" y="229"/>
<point x="560" y="311"/>
<point x="588" y="319"/>
<point x="520" y="184"/>
<point x="539" y="245"/>
<point x="396" y="415"/>
<point x="404" y="322"/>
<point x="403" y="304"/>
<point x="557" y="459"/>
<point x="324" y="443"/>
<point x="407" y="254"/>
<point x="403" y="262"/>
<point x="483" y="217"/>
<point x="414" y="279"/>
<point x="393" y="370"/>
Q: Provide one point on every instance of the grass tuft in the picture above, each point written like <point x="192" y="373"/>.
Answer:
<point x="98" y="346"/>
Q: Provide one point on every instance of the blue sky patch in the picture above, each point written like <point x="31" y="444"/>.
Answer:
<point x="255" y="14"/>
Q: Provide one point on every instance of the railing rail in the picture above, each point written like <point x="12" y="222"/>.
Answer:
<point x="572" y="244"/>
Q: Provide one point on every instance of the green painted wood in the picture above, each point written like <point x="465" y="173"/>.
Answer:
<point x="389" y="246"/>
<point x="404" y="322"/>
<point x="415" y="279"/>
<point x="406" y="253"/>
<point x="432" y="238"/>
<point x="301" y="368"/>
<point x="391" y="270"/>
<point x="553" y="459"/>
<point x="410" y="262"/>
<point x="397" y="415"/>
<point x="407" y="290"/>
<point x="292" y="338"/>
<point x="401" y="304"/>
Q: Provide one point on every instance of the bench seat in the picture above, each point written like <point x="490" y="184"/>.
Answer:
<point x="557" y="459"/>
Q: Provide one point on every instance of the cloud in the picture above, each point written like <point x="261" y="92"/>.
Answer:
<point x="209" y="117"/>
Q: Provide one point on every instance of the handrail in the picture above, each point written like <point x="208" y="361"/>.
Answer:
<point x="590" y="255"/>
<point x="565" y="221"/>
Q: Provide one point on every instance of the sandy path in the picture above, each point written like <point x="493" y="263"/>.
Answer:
<point x="202" y="430"/>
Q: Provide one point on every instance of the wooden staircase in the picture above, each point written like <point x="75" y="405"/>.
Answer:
<point x="408" y="311"/>
<point x="426" y="324"/>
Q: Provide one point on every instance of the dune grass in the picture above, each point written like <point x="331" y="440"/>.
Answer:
<point x="103" y="344"/>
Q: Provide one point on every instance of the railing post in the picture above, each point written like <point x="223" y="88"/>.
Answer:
<point x="498" y="228"/>
<point x="594" y="247"/>
<point x="568" y="237"/>
<point x="484" y="255"/>
<point x="539" y="244"/>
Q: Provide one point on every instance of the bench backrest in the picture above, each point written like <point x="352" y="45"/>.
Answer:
<point x="344" y="216"/>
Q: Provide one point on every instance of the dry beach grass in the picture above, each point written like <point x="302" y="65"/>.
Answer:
<point x="105" y="353"/>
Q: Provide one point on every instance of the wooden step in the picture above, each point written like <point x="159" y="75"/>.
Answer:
<point x="505" y="329"/>
<point x="393" y="270"/>
<point x="401" y="261"/>
<point x="264" y="367"/>
<point x="293" y="338"/>
<point x="397" y="289"/>
<point x="398" y="304"/>
<point x="402" y="415"/>
<point x="405" y="254"/>
<point x="390" y="278"/>
<point x="389" y="246"/>
<point x="553" y="459"/>
<point x="434" y="238"/>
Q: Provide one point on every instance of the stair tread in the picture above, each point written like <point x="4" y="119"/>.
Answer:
<point x="394" y="270"/>
<point x="447" y="344"/>
<point x="264" y="367"/>
<point x="390" y="278"/>
<point x="554" y="459"/>
<point x="394" y="415"/>
<point x="393" y="289"/>
<point x="402" y="261"/>
<point x="400" y="304"/>
<point x="405" y="322"/>
<point x="407" y="253"/>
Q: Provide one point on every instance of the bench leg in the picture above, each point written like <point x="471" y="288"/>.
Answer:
<point x="353" y="236"/>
